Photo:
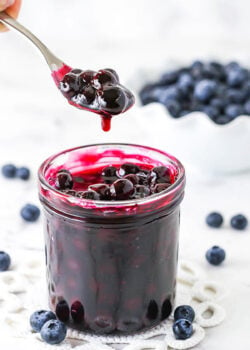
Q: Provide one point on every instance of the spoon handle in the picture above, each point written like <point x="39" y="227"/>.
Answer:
<point x="53" y="62"/>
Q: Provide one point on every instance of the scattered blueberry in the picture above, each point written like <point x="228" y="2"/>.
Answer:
<point x="53" y="332"/>
<point x="214" y="220"/>
<point x="4" y="261"/>
<point x="30" y="212"/>
<point x="185" y="312"/>
<point x="239" y="222"/>
<point x="236" y="77"/>
<point x="9" y="171"/>
<point x="182" y="329"/>
<point x="247" y="107"/>
<point x="39" y="318"/>
<point x="23" y="173"/>
<point x="215" y="255"/>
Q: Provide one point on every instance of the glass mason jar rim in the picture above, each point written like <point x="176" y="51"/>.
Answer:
<point x="121" y="203"/>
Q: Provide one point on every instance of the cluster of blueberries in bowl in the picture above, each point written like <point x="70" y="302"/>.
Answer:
<point x="220" y="91"/>
<point x="129" y="181"/>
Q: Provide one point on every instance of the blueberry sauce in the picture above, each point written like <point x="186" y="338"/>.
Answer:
<point x="111" y="250"/>
<point x="99" y="92"/>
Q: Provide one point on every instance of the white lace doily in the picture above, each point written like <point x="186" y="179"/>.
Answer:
<point x="22" y="291"/>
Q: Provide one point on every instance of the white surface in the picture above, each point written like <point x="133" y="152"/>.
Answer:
<point x="36" y="121"/>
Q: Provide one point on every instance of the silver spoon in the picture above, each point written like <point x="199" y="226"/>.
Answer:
<point x="54" y="62"/>
<point x="59" y="70"/>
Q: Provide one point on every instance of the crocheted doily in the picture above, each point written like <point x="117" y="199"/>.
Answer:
<point x="22" y="290"/>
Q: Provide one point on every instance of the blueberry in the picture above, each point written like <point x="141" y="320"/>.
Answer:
<point x="141" y="191"/>
<point x="147" y="94"/>
<point x="234" y="110"/>
<point x="109" y="174"/>
<point x="64" y="180"/>
<point x="39" y="318"/>
<point x="197" y="69"/>
<point x="62" y="311"/>
<point x="122" y="189"/>
<point x="236" y="77"/>
<point x="247" y="107"/>
<point x="160" y="187"/>
<point x="4" y="261"/>
<point x="218" y="103"/>
<point x="214" y="220"/>
<point x="173" y="107"/>
<point x="239" y="222"/>
<point x="133" y="178"/>
<point x="128" y="168"/>
<point x="163" y="95"/>
<point x="205" y="90"/>
<point x="87" y="76"/>
<point x="113" y="72"/>
<point x="53" y="332"/>
<point x="9" y="171"/>
<point x="222" y="120"/>
<point x="185" y="83"/>
<point x="182" y="329"/>
<point x="90" y="194"/>
<point x="23" y="173"/>
<point x="215" y="255"/>
<point x="89" y="94"/>
<point x="211" y="111"/>
<point x="113" y="99"/>
<point x="70" y="84"/>
<point x="232" y="66"/>
<point x="236" y="96"/>
<point x="185" y="312"/>
<point x="169" y="78"/>
<point x="30" y="213"/>
<point x="102" y="190"/>
<point x="105" y="76"/>
<point x="160" y="174"/>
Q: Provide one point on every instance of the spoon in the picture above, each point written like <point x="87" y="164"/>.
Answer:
<point x="99" y="92"/>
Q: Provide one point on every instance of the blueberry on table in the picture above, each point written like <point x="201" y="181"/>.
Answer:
<point x="9" y="171"/>
<point x="214" y="220"/>
<point x="182" y="329"/>
<point x="4" y="261"/>
<point x="205" y="90"/>
<point x="169" y="78"/>
<point x="239" y="222"/>
<point x="185" y="312"/>
<point x="23" y="173"/>
<point x="53" y="332"/>
<point x="39" y="318"/>
<point x="215" y="255"/>
<point x="173" y="107"/>
<point x="211" y="111"/>
<point x="222" y="120"/>
<point x="64" y="180"/>
<point x="236" y="77"/>
<point x="247" y="107"/>
<point x="30" y="213"/>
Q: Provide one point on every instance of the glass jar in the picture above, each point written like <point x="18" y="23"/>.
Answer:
<point x="111" y="265"/>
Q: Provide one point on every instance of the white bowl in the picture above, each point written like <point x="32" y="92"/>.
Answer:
<point x="196" y="140"/>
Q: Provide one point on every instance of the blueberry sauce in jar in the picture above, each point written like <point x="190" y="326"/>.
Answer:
<point x="111" y="260"/>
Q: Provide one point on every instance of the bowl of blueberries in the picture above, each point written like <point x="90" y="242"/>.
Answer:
<point x="201" y="113"/>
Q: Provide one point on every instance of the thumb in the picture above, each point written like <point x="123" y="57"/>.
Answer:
<point x="4" y="4"/>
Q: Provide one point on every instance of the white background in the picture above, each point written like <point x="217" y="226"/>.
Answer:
<point x="129" y="36"/>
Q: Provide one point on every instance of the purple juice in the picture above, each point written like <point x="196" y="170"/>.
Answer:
<point x="111" y="264"/>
